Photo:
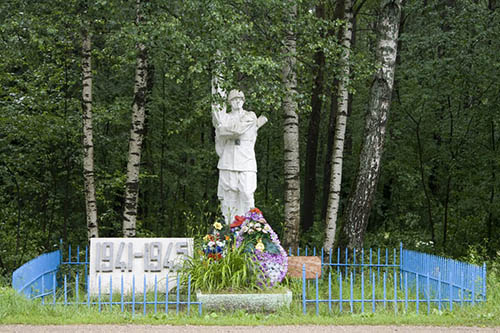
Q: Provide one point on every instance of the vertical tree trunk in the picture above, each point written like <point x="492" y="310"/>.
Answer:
<point x="136" y="135"/>
<point x="291" y="136"/>
<point x="88" y="141"/>
<point x="307" y="219"/>
<point x="327" y="168"/>
<point x="361" y="199"/>
<point x="340" y="126"/>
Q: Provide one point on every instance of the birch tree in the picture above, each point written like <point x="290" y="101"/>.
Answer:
<point x="88" y="141"/>
<point x="361" y="199"/>
<point x="291" y="134"/>
<point x="340" y="127"/>
<point x="136" y="135"/>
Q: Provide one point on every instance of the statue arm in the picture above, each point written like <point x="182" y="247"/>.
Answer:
<point x="261" y="121"/>
<point x="237" y="125"/>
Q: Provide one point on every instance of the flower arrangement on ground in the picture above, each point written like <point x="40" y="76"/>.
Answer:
<point x="247" y="255"/>
<point x="255" y="235"/>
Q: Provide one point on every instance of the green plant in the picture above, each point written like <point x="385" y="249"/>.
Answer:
<point x="235" y="271"/>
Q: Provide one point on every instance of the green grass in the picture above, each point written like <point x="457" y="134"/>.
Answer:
<point x="15" y="309"/>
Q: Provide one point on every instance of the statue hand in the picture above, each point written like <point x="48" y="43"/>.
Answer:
<point x="261" y="121"/>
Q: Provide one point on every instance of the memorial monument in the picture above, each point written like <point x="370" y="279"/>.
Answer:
<point x="235" y="136"/>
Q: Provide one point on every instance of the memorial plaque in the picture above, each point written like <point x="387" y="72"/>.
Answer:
<point x="313" y="266"/>
<point x="136" y="263"/>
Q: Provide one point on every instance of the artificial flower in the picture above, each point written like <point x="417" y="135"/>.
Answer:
<point x="238" y="221"/>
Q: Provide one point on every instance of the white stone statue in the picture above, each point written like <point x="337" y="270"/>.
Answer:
<point x="235" y="136"/>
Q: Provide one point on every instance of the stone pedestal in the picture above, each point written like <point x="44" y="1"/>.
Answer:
<point x="249" y="302"/>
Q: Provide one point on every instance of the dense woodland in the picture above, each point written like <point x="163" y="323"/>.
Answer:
<point x="436" y="186"/>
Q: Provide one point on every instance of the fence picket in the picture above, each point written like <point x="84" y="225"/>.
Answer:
<point x="340" y="292"/>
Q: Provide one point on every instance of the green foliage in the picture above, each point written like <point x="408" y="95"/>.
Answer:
<point x="438" y="191"/>
<point x="236" y="271"/>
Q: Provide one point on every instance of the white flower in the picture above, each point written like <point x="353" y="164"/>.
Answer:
<point x="250" y="224"/>
<point x="219" y="243"/>
<point x="244" y="229"/>
<point x="258" y="228"/>
<point x="211" y="243"/>
<point x="257" y="225"/>
<point x="267" y="227"/>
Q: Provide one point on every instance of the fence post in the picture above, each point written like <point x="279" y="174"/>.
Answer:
<point x="484" y="281"/>
<point x="304" y="288"/>
<point x="317" y="296"/>
<point x="330" y="291"/>
<point x="340" y="291"/>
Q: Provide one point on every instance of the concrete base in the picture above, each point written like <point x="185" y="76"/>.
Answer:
<point x="248" y="302"/>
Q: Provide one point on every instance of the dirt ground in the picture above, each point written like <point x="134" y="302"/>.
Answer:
<point x="237" y="329"/>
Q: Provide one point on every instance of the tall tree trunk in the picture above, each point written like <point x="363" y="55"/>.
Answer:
<point x="340" y="126"/>
<point x="136" y="135"/>
<point x="291" y="136"/>
<point x="307" y="219"/>
<point x="361" y="199"/>
<point x="88" y="141"/>
<point x="327" y="168"/>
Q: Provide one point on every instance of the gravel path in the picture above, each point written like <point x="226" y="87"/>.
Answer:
<point x="237" y="329"/>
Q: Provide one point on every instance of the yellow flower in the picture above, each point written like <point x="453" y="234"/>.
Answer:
<point x="260" y="246"/>
<point x="217" y="225"/>
<point x="206" y="238"/>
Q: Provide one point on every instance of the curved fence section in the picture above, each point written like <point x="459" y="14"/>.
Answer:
<point x="37" y="278"/>
<point x="442" y="278"/>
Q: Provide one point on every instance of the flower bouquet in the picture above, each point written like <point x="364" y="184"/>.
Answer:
<point x="215" y="242"/>
<point x="254" y="234"/>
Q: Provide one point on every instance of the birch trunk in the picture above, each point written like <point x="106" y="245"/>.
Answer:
<point x="291" y="137"/>
<point x="136" y="136"/>
<point x="340" y="127"/>
<point x="88" y="141"/>
<point x="361" y="199"/>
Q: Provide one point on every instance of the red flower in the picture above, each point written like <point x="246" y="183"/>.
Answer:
<point x="238" y="221"/>
<point x="256" y="210"/>
<point x="215" y="256"/>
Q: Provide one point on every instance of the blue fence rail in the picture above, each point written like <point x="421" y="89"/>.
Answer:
<point x="71" y="293"/>
<point x="37" y="277"/>
<point x="397" y="278"/>
<point x="351" y="280"/>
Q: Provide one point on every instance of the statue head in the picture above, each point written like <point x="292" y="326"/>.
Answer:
<point x="235" y="94"/>
<point x="236" y="99"/>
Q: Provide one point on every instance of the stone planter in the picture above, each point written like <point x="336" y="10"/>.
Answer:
<point x="249" y="302"/>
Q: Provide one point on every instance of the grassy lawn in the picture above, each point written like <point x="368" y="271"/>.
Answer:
<point x="15" y="309"/>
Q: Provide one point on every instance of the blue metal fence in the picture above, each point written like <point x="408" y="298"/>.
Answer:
<point x="400" y="279"/>
<point x="441" y="278"/>
<point x="352" y="280"/>
<point x="37" y="277"/>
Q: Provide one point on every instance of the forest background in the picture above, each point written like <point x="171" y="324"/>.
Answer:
<point x="437" y="188"/>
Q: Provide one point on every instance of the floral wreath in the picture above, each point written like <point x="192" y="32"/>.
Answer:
<point x="254" y="233"/>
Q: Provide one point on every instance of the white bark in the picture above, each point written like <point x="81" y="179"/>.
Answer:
<point x="136" y="137"/>
<point x="291" y="139"/>
<point x="88" y="141"/>
<point x="360" y="201"/>
<point x="340" y="126"/>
